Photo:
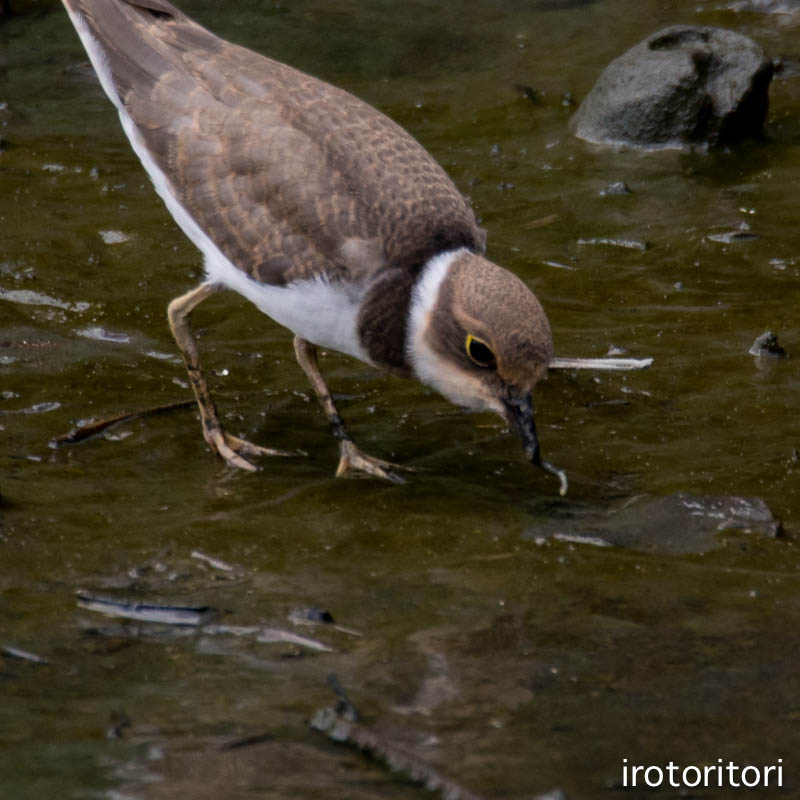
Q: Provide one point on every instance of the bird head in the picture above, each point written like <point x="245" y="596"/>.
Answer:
<point x="479" y="336"/>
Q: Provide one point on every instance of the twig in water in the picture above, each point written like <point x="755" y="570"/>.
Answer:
<point x="247" y="741"/>
<point x="146" y="612"/>
<point x="216" y="563"/>
<point x="23" y="655"/>
<point x="602" y="364"/>
<point x="339" y="724"/>
<point x="89" y="429"/>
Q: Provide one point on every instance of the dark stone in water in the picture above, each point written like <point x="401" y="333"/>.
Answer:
<point x="528" y="92"/>
<point x="318" y="615"/>
<point x="685" y="85"/>
<point x="678" y="523"/>
<point x="767" y="345"/>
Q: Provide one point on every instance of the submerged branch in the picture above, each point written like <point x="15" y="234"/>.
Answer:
<point x="340" y="725"/>
<point x="601" y="364"/>
<point x="89" y="429"/>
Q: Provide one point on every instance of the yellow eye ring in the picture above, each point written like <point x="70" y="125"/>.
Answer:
<point x="479" y="352"/>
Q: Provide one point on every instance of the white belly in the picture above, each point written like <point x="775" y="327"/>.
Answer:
<point x="323" y="312"/>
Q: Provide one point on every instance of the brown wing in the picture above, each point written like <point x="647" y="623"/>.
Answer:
<point x="289" y="176"/>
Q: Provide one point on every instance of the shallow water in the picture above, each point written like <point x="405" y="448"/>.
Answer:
<point x="512" y="662"/>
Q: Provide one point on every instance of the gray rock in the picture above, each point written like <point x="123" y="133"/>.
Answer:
<point x="685" y="85"/>
<point x="677" y="523"/>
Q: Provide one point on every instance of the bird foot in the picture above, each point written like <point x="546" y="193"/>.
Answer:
<point x="353" y="460"/>
<point x="233" y="449"/>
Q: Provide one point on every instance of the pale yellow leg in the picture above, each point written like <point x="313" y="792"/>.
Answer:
<point x="229" y="447"/>
<point x="350" y="457"/>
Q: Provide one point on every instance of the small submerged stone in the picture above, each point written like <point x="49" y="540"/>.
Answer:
<point x="678" y="523"/>
<point x="104" y="335"/>
<point x="27" y="297"/>
<point x="114" y="237"/>
<point x="305" y="616"/>
<point x="616" y="188"/>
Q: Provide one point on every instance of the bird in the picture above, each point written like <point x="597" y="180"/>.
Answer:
<point x="324" y="213"/>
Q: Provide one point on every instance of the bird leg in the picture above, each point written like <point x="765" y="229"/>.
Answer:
<point x="350" y="457"/>
<point x="231" y="448"/>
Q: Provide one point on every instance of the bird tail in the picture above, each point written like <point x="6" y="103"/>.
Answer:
<point x="122" y="39"/>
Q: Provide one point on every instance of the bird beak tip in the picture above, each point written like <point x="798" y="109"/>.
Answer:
<point x="520" y="414"/>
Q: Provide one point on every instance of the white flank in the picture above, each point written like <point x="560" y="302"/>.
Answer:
<point x="323" y="312"/>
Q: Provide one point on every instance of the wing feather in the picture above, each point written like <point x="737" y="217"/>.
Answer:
<point x="288" y="176"/>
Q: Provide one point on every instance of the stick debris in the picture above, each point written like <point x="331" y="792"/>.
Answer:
<point x="601" y="364"/>
<point x="340" y="724"/>
<point x="82" y="432"/>
<point x="192" y="616"/>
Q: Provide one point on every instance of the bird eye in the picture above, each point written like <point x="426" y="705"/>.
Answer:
<point x="479" y="352"/>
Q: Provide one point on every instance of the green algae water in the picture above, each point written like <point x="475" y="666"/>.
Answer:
<point x="470" y="628"/>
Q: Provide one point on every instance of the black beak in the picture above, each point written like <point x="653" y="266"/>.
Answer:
<point x="519" y="412"/>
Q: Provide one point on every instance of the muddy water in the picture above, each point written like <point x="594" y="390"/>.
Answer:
<point x="512" y="661"/>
